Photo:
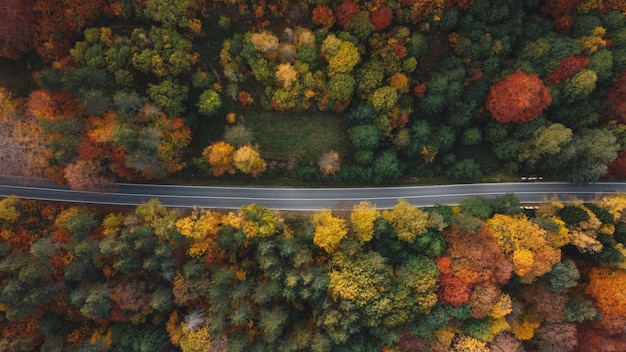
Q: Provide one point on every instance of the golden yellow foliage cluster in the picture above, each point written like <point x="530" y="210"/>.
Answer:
<point x="329" y="230"/>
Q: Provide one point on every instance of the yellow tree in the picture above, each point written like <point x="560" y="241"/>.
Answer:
<point x="9" y="209"/>
<point x="329" y="230"/>
<point x="220" y="156"/>
<point x="615" y="204"/>
<point x="407" y="220"/>
<point x="201" y="227"/>
<point x="248" y="160"/>
<point x="363" y="217"/>
<point x="257" y="221"/>
<point x="265" y="42"/>
<point x="344" y="59"/>
<point x="286" y="75"/>
<point x="464" y="343"/>
<point x="526" y="242"/>
<point x="584" y="234"/>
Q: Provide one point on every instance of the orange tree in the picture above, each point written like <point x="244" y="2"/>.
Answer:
<point x="518" y="98"/>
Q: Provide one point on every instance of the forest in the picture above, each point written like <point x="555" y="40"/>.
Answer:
<point x="320" y="92"/>
<point x="351" y="92"/>
<point x="485" y="275"/>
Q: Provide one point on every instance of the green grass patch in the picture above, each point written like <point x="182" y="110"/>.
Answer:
<point x="303" y="135"/>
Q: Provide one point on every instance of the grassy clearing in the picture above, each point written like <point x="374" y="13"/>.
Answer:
<point x="303" y="136"/>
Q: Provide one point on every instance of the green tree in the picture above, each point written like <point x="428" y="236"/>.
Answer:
<point x="546" y="140"/>
<point x="369" y="77"/>
<point x="209" y="102"/>
<point x="581" y="85"/>
<point x="361" y="27"/>
<point x="477" y="206"/>
<point x="364" y="137"/>
<point x="384" y="98"/>
<point x="341" y="86"/>
<point x="169" y="96"/>
<point x="169" y="13"/>
<point x="563" y="276"/>
<point x="386" y="167"/>
<point x="97" y="303"/>
<point x="595" y="148"/>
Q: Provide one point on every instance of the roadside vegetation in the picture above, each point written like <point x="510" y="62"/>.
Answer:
<point x="481" y="276"/>
<point x="367" y="92"/>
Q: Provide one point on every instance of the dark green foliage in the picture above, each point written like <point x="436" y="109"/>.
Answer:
<point x="583" y="24"/>
<point x="140" y="338"/>
<point x="572" y="215"/>
<point x="507" y="204"/>
<point x="437" y="319"/>
<point x="364" y="137"/>
<point x="464" y="169"/>
<point x="563" y="276"/>
<point x="547" y="223"/>
<point x="477" y="206"/>
<point x="601" y="213"/>
<point x="430" y="244"/>
<point x="386" y="168"/>
<point x="478" y="329"/>
<point x="444" y="210"/>
<point x="579" y="309"/>
<point x="609" y="253"/>
<point x="620" y="232"/>
<point x="361" y="114"/>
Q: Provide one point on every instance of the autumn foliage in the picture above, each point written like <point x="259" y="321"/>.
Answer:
<point x="617" y="168"/>
<point x="219" y="155"/>
<point x="323" y="16"/>
<point x="86" y="175"/>
<point x="567" y="68"/>
<point x="346" y="12"/>
<point x="617" y="97"/>
<point x="381" y="18"/>
<point x="518" y="98"/>
<point x="101" y="275"/>
<point x="17" y="32"/>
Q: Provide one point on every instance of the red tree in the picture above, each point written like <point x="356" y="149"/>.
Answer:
<point x="323" y="15"/>
<point x="60" y="22"/>
<point x="453" y="291"/>
<point x="346" y="12"/>
<point x="381" y="18"/>
<point x="477" y="262"/>
<point x="464" y="4"/>
<point x="558" y="8"/>
<point x="567" y="68"/>
<point x="604" y="335"/>
<point x="86" y="175"/>
<point x="518" y="98"/>
<point x="617" y="97"/>
<point x="16" y="27"/>
<point x="617" y="168"/>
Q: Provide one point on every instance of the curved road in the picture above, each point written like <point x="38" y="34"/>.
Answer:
<point x="300" y="198"/>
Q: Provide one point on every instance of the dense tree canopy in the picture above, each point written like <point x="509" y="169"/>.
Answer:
<point x="81" y="278"/>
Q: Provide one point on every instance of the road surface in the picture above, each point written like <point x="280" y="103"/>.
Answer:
<point x="301" y="198"/>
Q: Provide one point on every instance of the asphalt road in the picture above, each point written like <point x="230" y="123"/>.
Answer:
<point x="300" y="198"/>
